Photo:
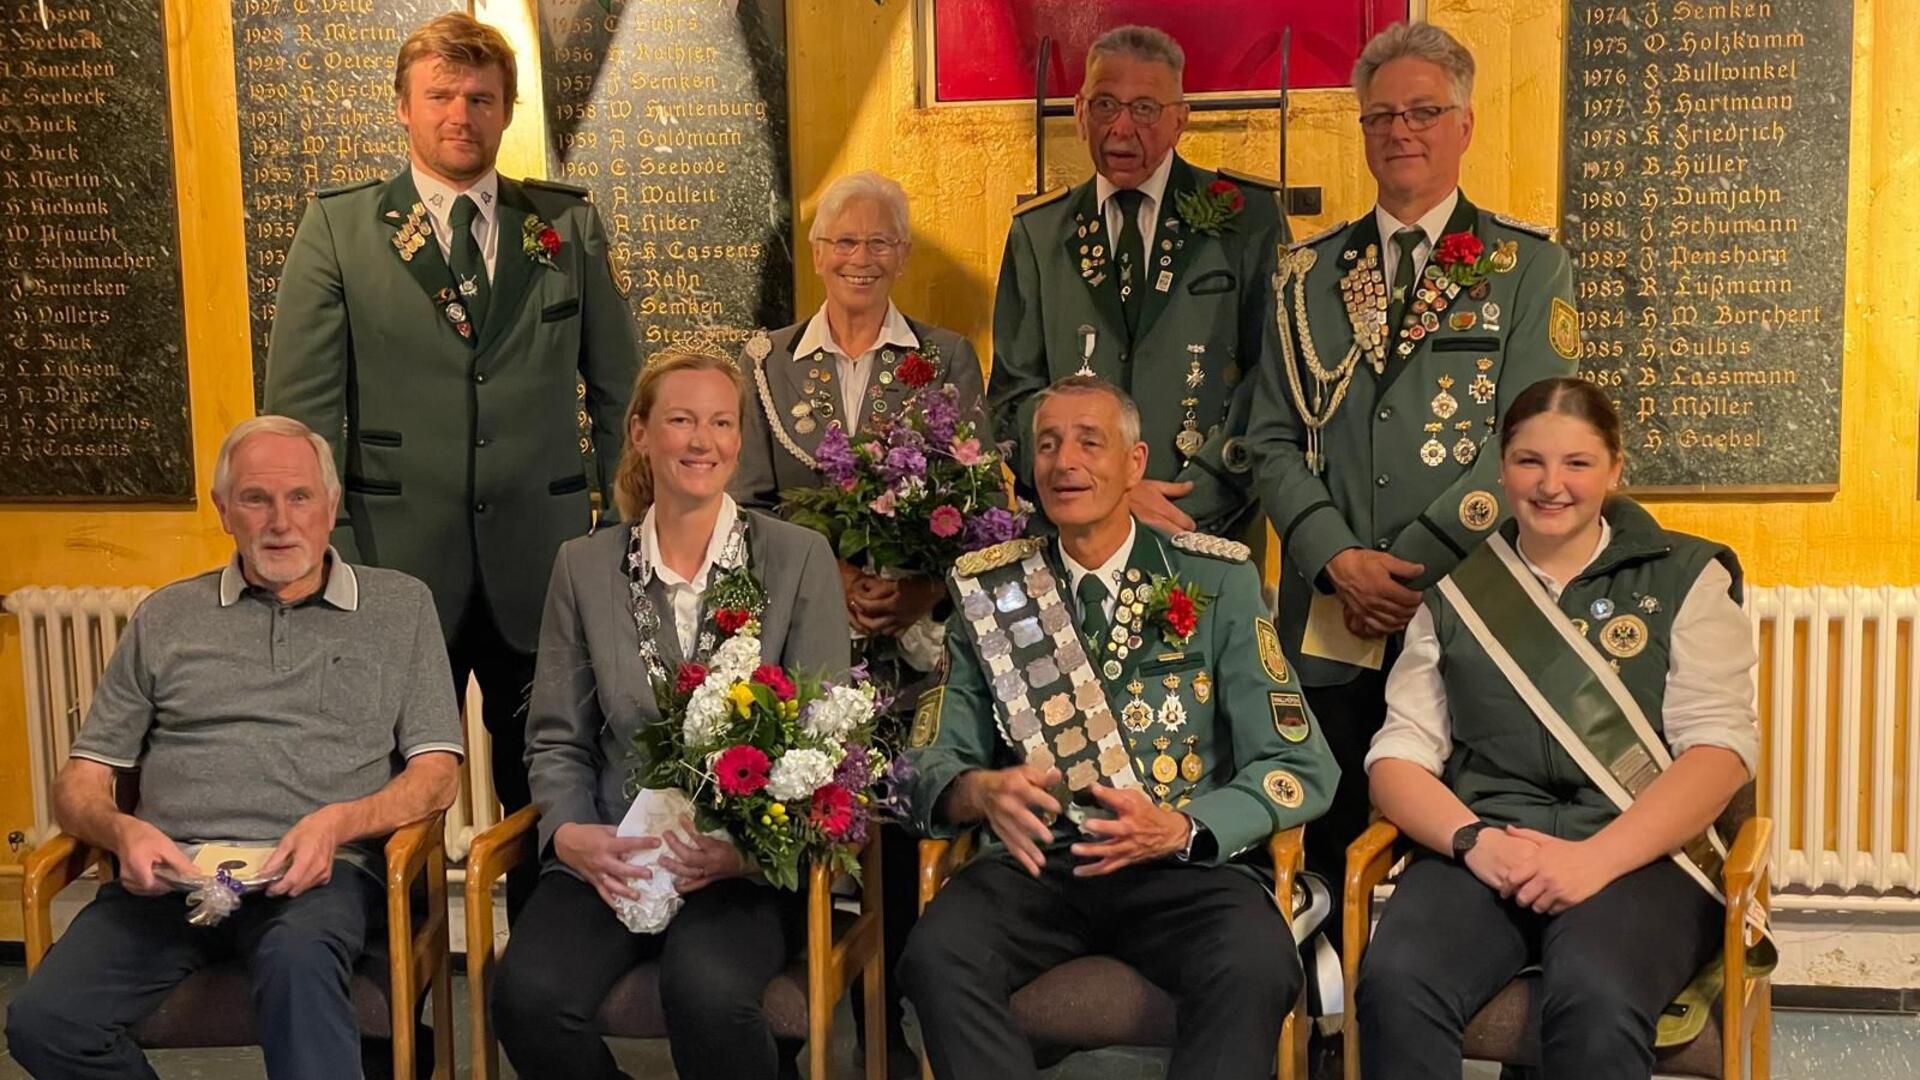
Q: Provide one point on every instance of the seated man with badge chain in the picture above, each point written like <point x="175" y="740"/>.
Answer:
<point x="1118" y="712"/>
<point x="1401" y="340"/>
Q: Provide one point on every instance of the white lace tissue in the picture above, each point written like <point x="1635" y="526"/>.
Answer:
<point x="654" y="813"/>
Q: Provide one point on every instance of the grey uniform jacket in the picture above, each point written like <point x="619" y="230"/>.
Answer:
<point x="591" y="691"/>
<point x="776" y="450"/>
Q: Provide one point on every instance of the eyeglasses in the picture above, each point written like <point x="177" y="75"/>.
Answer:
<point x="877" y="246"/>
<point x="1418" y="118"/>
<point x="1105" y="109"/>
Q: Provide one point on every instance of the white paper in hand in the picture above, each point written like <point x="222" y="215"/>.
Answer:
<point x="655" y="812"/>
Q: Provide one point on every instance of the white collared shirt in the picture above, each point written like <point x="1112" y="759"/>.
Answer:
<point x="1110" y="571"/>
<point x="438" y="198"/>
<point x="1153" y="187"/>
<point x="342" y="588"/>
<point x="855" y="371"/>
<point x="1433" y="222"/>
<point x="1709" y="692"/>
<point x="684" y="594"/>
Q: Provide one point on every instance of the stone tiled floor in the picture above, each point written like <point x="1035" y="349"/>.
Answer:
<point x="1807" y="1046"/>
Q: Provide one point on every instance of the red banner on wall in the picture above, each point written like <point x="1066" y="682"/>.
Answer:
<point x="984" y="49"/>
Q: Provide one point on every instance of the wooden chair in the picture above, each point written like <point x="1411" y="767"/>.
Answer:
<point x="1132" y="1011"/>
<point x="799" y="1003"/>
<point x="213" y="1006"/>
<point x="1735" y="1043"/>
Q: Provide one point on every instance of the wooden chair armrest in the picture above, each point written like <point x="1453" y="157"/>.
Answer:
<point x="492" y="853"/>
<point x="52" y="866"/>
<point x="1289" y="856"/>
<point x="1368" y="860"/>
<point x="501" y="848"/>
<point x="1745" y="885"/>
<point x="409" y="846"/>
<point x="938" y="860"/>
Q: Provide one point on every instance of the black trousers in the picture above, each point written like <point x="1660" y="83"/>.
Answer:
<point x="1447" y="943"/>
<point x="505" y="675"/>
<point x="124" y="953"/>
<point x="716" y="958"/>
<point x="1349" y="715"/>
<point x="1209" y="936"/>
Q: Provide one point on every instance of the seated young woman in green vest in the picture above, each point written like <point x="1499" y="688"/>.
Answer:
<point x="1573" y="709"/>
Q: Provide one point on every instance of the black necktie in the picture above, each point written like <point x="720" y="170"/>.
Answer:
<point x="1093" y="616"/>
<point x="469" y="268"/>
<point x="1131" y="252"/>
<point x="1404" y="283"/>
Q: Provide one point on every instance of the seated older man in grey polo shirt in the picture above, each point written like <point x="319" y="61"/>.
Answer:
<point x="289" y="700"/>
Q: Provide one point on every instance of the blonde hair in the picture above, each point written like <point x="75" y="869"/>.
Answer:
<point x="633" y="479"/>
<point x="462" y="40"/>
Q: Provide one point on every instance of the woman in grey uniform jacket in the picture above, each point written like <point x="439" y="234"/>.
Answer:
<point x="1572" y="711"/>
<point x="592" y="693"/>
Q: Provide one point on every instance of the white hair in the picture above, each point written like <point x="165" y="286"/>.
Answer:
<point x="1092" y="384"/>
<point x="865" y="184"/>
<point x="1139" y="43"/>
<point x="1422" y="41"/>
<point x="270" y="424"/>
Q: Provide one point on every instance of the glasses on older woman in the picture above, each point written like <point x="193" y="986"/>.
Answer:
<point x="877" y="246"/>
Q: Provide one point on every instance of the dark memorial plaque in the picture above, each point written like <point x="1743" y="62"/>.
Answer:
<point x="93" y="374"/>
<point x="1705" y="205"/>
<point x="314" y="80"/>
<point x="674" y="115"/>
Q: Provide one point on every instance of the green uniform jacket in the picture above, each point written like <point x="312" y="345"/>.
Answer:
<point x="1219" y="295"/>
<point x="1505" y="765"/>
<point x="461" y="458"/>
<point x="1377" y="490"/>
<point x="1243" y="795"/>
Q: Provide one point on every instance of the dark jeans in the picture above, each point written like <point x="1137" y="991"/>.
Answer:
<point x="716" y="958"/>
<point x="124" y="953"/>
<point x="505" y="675"/>
<point x="1349" y="715"/>
<point x="1209" y="936"/>
<point x="1447" y="943"/>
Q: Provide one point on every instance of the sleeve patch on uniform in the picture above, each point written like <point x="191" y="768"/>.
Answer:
<point x="1289" y="715"/>
<point x="1271" y="658"/>
<point x="1479" y="510"/>
<point x="926" y="718"/>
<point x="1563" y="330"/>
<point x="1284" y="789"/>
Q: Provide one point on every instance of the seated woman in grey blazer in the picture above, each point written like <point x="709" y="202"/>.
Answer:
<point x="624" y="607"/>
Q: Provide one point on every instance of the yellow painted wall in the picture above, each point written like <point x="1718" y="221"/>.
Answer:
<point x="855" y="106"/>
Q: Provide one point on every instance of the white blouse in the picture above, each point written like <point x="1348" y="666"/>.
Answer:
<point x="1709" y="695"/>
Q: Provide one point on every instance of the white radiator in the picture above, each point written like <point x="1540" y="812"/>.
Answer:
<point x="66" y="636"/>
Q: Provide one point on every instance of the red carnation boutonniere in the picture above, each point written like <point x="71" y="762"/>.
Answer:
<point x="915" y="371"/>
<point x="540" y="242"/>
<point x="1212" y="211"/>
<point x="1465" y="260"/>
<point x="731" y="619"/>
<point x="689" y="678"/>
<point x="1175" y="608"/>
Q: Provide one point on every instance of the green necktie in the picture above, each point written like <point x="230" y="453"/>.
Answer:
<point x="1403" y="280"/>
<point x="1093" y="617"/>
<point x="469" y="268"/>
<point x="1131" y="251"/>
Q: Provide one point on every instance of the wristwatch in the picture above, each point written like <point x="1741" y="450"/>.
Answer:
<point x="1465" y="837"/>
<point x="1197" y="838"/>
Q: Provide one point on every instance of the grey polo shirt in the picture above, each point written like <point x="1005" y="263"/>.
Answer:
<point x="244" y="714"/>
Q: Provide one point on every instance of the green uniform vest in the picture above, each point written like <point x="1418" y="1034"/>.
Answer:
<point x="1505" y="765"/>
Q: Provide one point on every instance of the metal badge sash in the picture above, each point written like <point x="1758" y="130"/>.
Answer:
<point x="1047" y="700"/>
<point x="1584" y="706"/>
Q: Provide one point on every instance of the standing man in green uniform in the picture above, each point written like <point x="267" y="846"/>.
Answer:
<point x="1153" y="274"/>
<point x="1137" y="671"/>
<point x="1402" y="338"/>
<point x="433" y="327"/>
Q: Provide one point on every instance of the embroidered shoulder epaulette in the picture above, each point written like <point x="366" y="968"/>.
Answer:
<point x="1215" y="547"/>
<point x="1319" y="236"/>
<point x="574" y="190"/>
<point x="1544" y="232"/>
<point x="1042" y="199"/>
<point x="975" y="563"/>
<point x="330" y="192"/>
<point x="1239" y="177"/>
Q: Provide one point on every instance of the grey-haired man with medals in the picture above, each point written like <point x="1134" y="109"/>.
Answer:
<point x="1401" y="340"/>
<point x="1118" y="713"/>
